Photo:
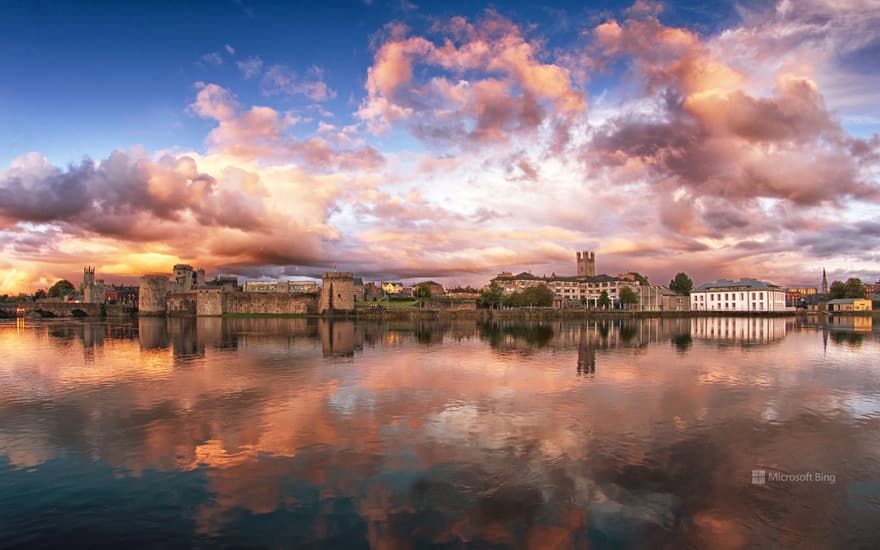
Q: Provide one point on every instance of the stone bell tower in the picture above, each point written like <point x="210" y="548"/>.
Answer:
<point x="586" y="264"/>
<point x="88" y="276"/>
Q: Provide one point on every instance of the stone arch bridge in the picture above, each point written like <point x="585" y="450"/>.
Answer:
<point x="49" y="309"/>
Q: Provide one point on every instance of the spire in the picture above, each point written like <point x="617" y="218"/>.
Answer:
<point x="824" y="282"/>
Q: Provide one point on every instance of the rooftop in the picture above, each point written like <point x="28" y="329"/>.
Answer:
<point x="751" y="284"/>
<point x="525" y="276"/>
<point x="842" y="301"/>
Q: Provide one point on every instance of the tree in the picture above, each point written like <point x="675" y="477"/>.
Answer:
<point x="491" y="295"/>
<point x="628" y="296"/>
<point x="641" y="279"/>
<point x="681" y="284"/>
<point x="540" y="296"/>
<point x="837" y="290"/>
<point x="423" y="291"/>
<point x="854" y="288"/>
<point x="39" y="294"/>
<point x="61" y="289"/>
<point x="604" y="300"/>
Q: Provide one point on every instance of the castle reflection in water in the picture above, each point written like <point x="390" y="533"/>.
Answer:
<point x="189" y="338"/>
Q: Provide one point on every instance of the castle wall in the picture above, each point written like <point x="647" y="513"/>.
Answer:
<point x="181" y="304"/>
<point x="337" y="292"/>
<point x="152" y="295"/>
<point x="210" y="302"/>
<point x="269" y="303"/>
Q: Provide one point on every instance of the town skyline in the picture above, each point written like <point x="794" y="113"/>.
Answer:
<point x="414" y="142"/>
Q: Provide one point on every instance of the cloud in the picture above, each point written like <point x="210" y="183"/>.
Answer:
<point x="250" y="67"/>
<point x="212" y="59"/>
<point x="134" y="212"/>
<point x="263" y="133"/>
<point x="229" y="49"/>
<point x="712" y="136"/>
<point x="122" y="195"/>
<point x="484" y="81"/>
<point x="842" y="239"/>
<point x="281" y="80"/>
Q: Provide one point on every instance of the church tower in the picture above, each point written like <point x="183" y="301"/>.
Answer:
<point x="88" y="276"/>
<point x="586" y="264"/>
<point x="88" y="285"/>
<point x="824" y="282"/>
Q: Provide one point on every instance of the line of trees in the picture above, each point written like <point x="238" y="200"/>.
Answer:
<point x="852" y="288"/>
<point x="535" y="296"/>
<point x="61" y="289"/>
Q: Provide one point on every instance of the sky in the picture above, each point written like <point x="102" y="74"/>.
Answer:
<point x="452" y="141"/>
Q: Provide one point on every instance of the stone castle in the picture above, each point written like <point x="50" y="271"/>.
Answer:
<point x="188" y="294"/>
<point x="93" y="291"/>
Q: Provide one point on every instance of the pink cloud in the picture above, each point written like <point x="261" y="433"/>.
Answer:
<point x="263" y="133"/>
<point x="714" y="136"/>
<point x="491" y="83"/>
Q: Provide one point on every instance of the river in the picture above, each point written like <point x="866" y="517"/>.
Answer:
<point x="278" y="433"/>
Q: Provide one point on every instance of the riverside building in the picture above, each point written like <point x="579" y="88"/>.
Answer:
<point x="743" y="295"/>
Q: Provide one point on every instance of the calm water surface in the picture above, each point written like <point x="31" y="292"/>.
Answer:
<point x="302" y="433"/>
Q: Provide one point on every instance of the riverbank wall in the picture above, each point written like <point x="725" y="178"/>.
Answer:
<point x="548" y="314"/>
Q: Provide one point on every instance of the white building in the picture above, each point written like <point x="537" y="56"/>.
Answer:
<point x="742" y="295"/>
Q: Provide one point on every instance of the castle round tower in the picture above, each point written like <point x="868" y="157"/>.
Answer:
<point x="152" y="295"/>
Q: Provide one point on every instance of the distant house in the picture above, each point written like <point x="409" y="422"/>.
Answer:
<point x="373" y="292"/>
<point x="466" y="292"/>
<point x="117" y="294"/>
<point x="435" y="287"/>
<point x="661" y="298"/>
<point x="225" y="282"/>
<point x="814" y="303"/>
<point x="358" y="289"/>
<point x="796" y="296"/>
<point x="393" y="288"/>
<point x="849" y="304"/>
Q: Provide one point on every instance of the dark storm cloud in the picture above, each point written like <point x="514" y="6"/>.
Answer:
<point x="119" y="196"/>
<point x="845" y="238"/>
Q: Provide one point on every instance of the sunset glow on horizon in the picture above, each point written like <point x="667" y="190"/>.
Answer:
<point x="403" y="141"/>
